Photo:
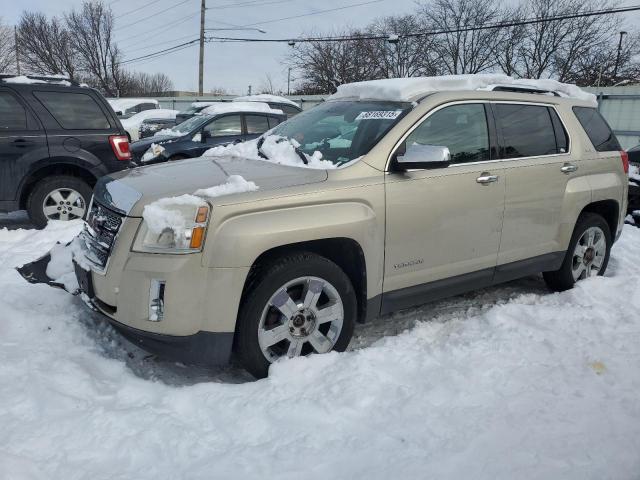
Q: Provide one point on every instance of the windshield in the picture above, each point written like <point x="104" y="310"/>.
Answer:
<point x="190" y="125"/>
<point x="342" y="130"/>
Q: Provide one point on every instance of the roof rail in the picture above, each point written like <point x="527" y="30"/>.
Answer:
<point x="523" y="89"/>
<point x="42" y="78"/>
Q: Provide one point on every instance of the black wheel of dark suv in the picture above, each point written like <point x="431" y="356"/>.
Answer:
<point x="298" y="305"/>
<point x="587" y="255"/>
<point x="61" y="197"/>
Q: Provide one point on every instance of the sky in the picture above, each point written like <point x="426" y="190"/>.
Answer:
<point x="146" y="26"/>
<point x="141" y="30"/>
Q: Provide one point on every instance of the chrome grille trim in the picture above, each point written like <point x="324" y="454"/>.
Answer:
<point x="100" y="233"/>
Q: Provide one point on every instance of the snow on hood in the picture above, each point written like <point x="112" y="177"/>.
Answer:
<point x="409" y="89"/>
<point x="233" y="107"/>
<point x="267" y="98"/>
<point x="277" y="149"/>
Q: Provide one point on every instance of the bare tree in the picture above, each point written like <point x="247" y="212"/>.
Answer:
<point x="144" y="84"/>
<point x="92" y="26"/>
<point x="463" y="51"/>
<point x="7" y="49"/>
<point x="267" y="85"/>
<point x="46" y="46"/>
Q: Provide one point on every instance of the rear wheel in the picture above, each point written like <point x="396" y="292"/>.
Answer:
<point x="299" y="305"/>
<point x="588" y="253"/>
<point x="61" y="197"/>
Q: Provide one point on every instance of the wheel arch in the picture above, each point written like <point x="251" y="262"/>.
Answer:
<point x="609" y="210"/>
<point x="344" y="252"/>
<point x="60" y="167"/>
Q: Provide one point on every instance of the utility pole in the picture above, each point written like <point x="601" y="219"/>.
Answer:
<point x="289" y="82"/>
<point x="615" y="68"/>
<point x="203" y="8"/>
<point x="15" y="41"/>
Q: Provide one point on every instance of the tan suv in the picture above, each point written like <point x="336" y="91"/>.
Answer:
<point x="420" y="194"/>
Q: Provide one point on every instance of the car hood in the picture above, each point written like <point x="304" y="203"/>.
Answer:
<point x="129" y="191"/>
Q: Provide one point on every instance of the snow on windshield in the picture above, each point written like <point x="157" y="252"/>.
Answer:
<point x="267" y="98"/>
<point x="277" y="149"/>
<point x="408" y="89"/>
<point x="233" y="107"/>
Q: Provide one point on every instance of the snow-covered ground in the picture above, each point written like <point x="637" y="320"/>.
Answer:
<point x="510" y="382"/>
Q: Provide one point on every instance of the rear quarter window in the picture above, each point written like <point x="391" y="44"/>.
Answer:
<point x="74" y="111"/>
<point x="597" y="129"/>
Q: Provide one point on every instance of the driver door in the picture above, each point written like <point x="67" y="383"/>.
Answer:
<point x="443" y="224"/>
<point x="223" y="131"/>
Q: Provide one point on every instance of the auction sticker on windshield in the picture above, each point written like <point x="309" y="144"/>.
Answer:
<point x="379" y="115"/>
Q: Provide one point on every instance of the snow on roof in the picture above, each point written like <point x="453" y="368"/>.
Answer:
<point x="409" y="89"/>
<point x="205" y="104"/>
<point x="122" y="104"/>
<point x="145" y="114"/>
<point x="265" y="97"/>
<point x="22" y="79"/>
<point x="231" y="107"/>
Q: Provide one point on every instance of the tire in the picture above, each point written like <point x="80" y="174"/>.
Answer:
<point x="301" y="332"/>
<point x="594" y="259"/>
<point x="71" y="189"/>
<point x="178" y="156"/>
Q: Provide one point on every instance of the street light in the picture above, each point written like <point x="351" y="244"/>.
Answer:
<point x="615" y="68"/>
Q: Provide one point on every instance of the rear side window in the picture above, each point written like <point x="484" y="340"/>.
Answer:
<point x="256" y="124"/>
<point x="597" y="129"/>
<point x="225" y="126"/>
<point x="527" y="130"/>
<point x="74" y="111"/>
<point x="12" y="114"/>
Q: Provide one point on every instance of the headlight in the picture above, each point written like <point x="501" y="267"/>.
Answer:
<point x="173" y="225"/>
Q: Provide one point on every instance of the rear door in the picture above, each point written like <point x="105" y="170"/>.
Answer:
<point x="224" y="130"/>
<point x="536" y="154"/>
<point x="22" y="143"/>
<point x="255" y="125"/>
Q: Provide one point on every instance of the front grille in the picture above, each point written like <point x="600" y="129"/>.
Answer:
<point x="100" y="233"/>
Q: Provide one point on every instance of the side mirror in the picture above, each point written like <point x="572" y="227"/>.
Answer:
<point x="418" y="156"/>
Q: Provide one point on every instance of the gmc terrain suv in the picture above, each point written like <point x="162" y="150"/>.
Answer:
<point x="56" y="139"/>
<point x="419" y="189"/>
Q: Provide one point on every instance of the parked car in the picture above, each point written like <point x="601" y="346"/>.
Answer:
<point x="289" y="107"/>
<point x="447" y="185"/>
<point x="219" y="124"/>
<point x="634" y="183"/>
<point x="133" y="123"/>
<point x="193" y="110"/>
<point x="56" y="139"/>
<point x="127" y="107"/>
<point x="149" y="127"/>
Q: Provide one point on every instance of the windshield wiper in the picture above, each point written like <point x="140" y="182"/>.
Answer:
<point x="260" y="152"/>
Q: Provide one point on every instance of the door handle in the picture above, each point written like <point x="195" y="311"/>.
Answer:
<point x="568" y="168"/>
<point x="485" y="178"/>
<point x="21" y="142"/>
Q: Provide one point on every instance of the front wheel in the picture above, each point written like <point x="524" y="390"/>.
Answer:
<point x="299" y="305"/>
<point x="587" y="256"/>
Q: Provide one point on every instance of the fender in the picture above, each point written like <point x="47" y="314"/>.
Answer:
<point x="239" y="240"/>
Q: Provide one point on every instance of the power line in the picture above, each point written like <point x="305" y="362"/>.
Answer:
<point x="427" y="32"/>
<point x="136" y="9"/>
<point x="253" y="3"/>
<point x="154" y="15"/>
<point x="385" y="36"/>
<point x="313" y="13"/>
<point x="172" y="23"/>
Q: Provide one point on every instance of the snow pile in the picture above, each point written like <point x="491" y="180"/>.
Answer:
<point x="168" y="132"/>
<point x="234" y="184"/>
<point x="409" y="89"/>
<point x="60" y="268"/>
<point x="278" y="150"/>
<point x="152" y="152"/>
<point x="239" y="107"/>
<point x="267" y="98"/>
<point x="166" y="213"/>
<point x="510" y="382"/>
<point x="132" y="124"/>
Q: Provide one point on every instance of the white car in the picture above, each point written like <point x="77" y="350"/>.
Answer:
<point x="132" y="124"/>
<point x="127" y="107"/>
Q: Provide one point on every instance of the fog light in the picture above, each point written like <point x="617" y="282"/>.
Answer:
<point x="156" y="300"/>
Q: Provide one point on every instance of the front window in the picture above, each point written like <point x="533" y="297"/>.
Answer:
<point x="225" y="126"/>
<point x="342" y="130"/>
